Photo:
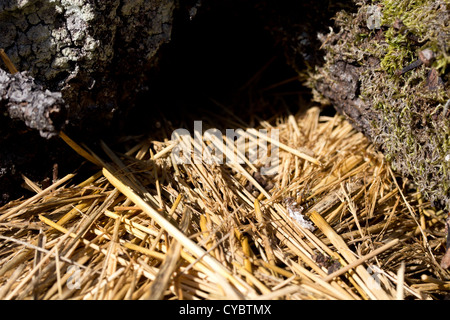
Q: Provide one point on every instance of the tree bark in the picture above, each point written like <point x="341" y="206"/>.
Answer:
<point x="81" y="48"/>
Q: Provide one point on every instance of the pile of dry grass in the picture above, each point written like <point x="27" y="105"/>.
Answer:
<point x="145" y="227"/>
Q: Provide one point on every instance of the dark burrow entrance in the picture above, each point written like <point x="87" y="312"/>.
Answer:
<point x="222" y="57"/>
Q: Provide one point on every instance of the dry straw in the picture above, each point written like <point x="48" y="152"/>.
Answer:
<point x="145" y="227"/>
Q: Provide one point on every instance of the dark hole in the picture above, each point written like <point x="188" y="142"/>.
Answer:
<point x="225" y="54"/>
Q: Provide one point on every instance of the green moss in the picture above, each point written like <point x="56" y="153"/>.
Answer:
<point x="425" y="20"/>
<point x="411" y="129"/>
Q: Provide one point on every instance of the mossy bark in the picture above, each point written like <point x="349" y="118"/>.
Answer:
<point x="374" y="75"/>
<point x="81" y="48"/>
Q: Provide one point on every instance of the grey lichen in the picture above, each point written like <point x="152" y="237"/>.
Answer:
<point x="54" y="30"/>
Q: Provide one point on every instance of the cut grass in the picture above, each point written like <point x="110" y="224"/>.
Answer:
<point x="123" y="228"/>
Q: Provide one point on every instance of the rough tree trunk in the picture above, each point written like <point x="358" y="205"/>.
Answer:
<point x="81" y="48"/>
<point x="386" y="70"/>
